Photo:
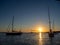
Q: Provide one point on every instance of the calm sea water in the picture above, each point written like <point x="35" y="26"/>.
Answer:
<point x="29" y="39"/>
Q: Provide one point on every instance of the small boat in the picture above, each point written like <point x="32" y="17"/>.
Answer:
<point x="51" y="34"/>
<point x="13" y="32"/>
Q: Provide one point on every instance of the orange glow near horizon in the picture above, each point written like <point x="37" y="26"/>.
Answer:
<point x="40" y="29"/>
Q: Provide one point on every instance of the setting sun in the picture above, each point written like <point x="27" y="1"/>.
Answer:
<point x="40" y="29"/>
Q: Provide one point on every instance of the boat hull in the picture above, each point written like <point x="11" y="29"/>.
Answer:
<point x="51" y="34"/>
<point x="15" y="33"/>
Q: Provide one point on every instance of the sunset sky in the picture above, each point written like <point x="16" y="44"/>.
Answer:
<point x="29" y="14"/>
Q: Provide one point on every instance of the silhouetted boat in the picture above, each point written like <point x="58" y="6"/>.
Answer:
<point x="13" y="32"/>
<point x="51" y="34"/>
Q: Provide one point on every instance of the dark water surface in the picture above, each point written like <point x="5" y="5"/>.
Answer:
<point x="29" y="39"/>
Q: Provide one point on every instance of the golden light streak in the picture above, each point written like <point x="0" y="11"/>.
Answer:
<point x="40" y="39"/>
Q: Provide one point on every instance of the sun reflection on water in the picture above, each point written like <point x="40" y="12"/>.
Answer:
<point x="40" y="36"/>
<point x="40" y="39"/>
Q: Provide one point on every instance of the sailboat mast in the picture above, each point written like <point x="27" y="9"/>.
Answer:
<point x="51" y="34"/>
<point x="12" y="23"/>
<point x="8" y="28"/>
<point x="49" y="20"/>
<point x="53" y="25"/>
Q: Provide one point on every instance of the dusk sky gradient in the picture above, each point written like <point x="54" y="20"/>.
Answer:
<point x="29" y="14"/>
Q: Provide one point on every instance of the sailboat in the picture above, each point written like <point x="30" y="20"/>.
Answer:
<point x="13" y="32"/>
<point x="51" y="34"/>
